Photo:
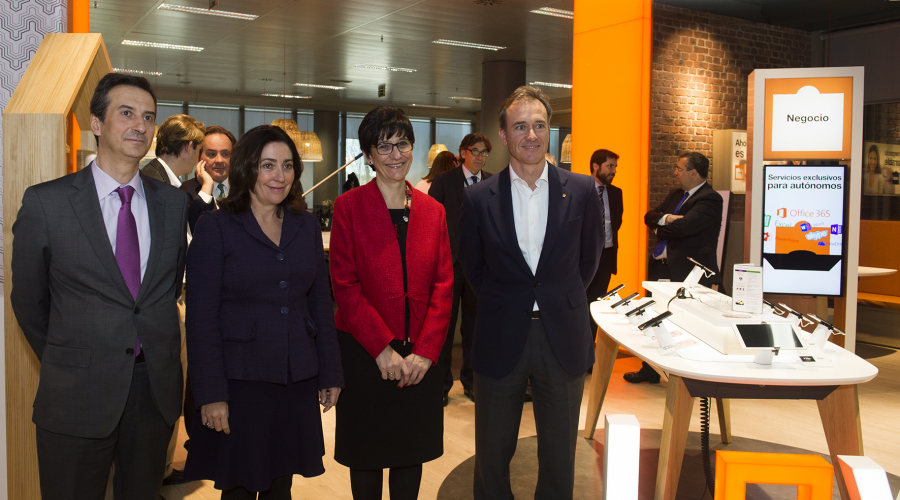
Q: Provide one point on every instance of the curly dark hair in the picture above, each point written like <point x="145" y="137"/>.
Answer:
<point x="245" y="169"/>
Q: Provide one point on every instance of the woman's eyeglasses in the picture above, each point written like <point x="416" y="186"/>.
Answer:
<point x="386" y="148"/>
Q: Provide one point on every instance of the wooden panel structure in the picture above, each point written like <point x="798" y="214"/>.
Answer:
<point x="60" y="79"/>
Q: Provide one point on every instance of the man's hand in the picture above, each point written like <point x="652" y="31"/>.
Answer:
<point x="417" y="367"/>
<point x="670" y="218"/>
<point x="215" y="416"/>
<point x="205" y="179"/>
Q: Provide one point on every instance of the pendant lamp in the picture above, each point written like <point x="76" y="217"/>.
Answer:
<point x="308" y="144"/>
<point x="566" y="154"/>
<point x="433" y="152"/>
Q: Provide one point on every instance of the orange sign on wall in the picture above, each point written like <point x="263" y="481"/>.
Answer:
<point x="808" y="118"/>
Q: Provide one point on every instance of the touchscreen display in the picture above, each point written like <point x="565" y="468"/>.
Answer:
<point x="779" y="335"/>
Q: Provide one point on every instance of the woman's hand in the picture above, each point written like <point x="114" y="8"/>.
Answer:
<point x="417" y="367"/>
<point x="215" y="416"/>
<point x="392" y="366"/>
<point x="329" y="397"/>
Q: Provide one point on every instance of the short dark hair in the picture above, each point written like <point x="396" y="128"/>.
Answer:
<point x="524" y="93"/>
<point x="602" y="156"/>
<point x="244" y="170"/>
<point x="473" y="139"/>
<point x="382" y="123"/>
<point x="698" y="162"/>
<point x="215" y="129"/>
<point x="100" y="99"/>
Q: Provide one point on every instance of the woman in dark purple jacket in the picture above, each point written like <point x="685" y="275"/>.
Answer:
<point x="260" y="328"/>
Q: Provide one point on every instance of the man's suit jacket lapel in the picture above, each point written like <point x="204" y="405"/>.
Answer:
<point x="557" y="211"/>
<point x="686" y="206"/>
<point x="86" y="206"/>
<point x="156" y="213"/>
<point x="501" y="208"/>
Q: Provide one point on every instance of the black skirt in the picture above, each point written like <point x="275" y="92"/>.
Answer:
<point x="276" y="430"/>
<point x="379" y="426"/>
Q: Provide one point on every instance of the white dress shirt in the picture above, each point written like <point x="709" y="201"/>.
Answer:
<point x="173" y="180"/>
<point x="110" y="203"/>
<point x="530" y="209"/>
<point x="662" y="220"/>
<point x="607" y="222"/>
<point x="468" y="175"/>
<point x="208" y="198"/>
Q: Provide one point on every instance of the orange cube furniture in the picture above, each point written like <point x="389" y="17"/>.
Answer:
<point x="812" y="474"/>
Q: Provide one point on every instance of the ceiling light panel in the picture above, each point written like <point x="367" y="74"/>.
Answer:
<point x="467" y="98"/>
<point x="314" y="86"/>
<point x="430" y="106"/>
<point x="384" y="68"/>
<point x="469" y="45"/>
<point x="547" y="84"/>
<point x="137" y="72"/>
<point x="155" y="45"/>
<point x="547" y="11"/>
<point x="208" y="12"/>
<point x="289" y="96"/>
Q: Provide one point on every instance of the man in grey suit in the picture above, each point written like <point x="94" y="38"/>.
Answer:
<point x="97" y="263"/>
<point x="530" y="240"/>
<point x="177" y="149"/>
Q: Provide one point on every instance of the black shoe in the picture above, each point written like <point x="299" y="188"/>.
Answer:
<point x="176" y="477"/>
<point x="642" y="376"/>
<point x="469" y="393"/>
<point x="528" y="397"/>
<point x="446" y="399"/>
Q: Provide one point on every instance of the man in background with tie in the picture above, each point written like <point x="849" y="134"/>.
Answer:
<point x="686" y="224"/>
<point x="98" y="258"/>
<point x="603" y="170"/>
<point x="211" y="181"/>
<point x="447" y="189"/>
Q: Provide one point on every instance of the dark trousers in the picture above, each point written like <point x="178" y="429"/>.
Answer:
<point x="465" y="296"/>
<point x="600" y="284"/>
<point x="658" y="270"/>
<point x="498" y="411"/>
<point x="77" y="468"/>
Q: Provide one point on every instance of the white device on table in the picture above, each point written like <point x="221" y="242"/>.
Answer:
<point x="621" y="306"/>
<point x="697" y="273"/>
<point x="638" y="315"/>
<point x="767" y="339"/>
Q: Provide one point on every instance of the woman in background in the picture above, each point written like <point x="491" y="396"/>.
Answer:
<point x="260" y="331"/>
<point x="443" y="162"/>
<point x="874" y="183"/>
<point x="393" y="284"/>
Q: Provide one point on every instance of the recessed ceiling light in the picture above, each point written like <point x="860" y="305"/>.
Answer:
<point x="208" y="12"/>
<point x="547" y="11"/>
<point x="546" y="84"/>
<point x="162" y="45"/>
<point x="290" y="96"/>
<point x="466" y="98"/>
<point x="469" y="45"/>
<point x="430" y="106"/>
<point x="384" y="68"/>
<point x="314" y="86"/>
<point x="137" y="72"/>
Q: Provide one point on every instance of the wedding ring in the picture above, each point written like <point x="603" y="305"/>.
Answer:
<point x="209" y="424"/>
<point x="390" y="374"/>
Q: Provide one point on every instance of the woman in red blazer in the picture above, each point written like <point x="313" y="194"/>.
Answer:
<point x="393" y="283"/>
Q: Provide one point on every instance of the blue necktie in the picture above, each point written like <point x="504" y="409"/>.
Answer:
<point x="661" y="246"/>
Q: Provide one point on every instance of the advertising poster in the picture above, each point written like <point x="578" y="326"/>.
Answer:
<point x="739" y="160"/>
<point x="808" y="118"/>
<point x="882" y="169"/>
<point x="803" y="229"/>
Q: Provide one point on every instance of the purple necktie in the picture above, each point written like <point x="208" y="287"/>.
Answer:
<point x="128" y="248"/>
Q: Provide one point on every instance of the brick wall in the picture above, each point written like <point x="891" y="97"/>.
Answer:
<point x="700" y="67"/>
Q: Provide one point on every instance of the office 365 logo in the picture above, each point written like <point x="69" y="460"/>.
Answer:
<point x="782" y="212"/>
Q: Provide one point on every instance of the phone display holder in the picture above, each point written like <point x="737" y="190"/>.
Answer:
<point x="694" y="278"/>
<point x="820" y="336"/>
<point x="765" y="356"/>
<point x="664" y="337"/>
<point x="639" y="317"/>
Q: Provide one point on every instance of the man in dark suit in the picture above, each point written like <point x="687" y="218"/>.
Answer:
<point x="177" y="149"/>
<point x="686" y="224"/>
<point x="530" y="240"/>
<point x="211" y="181"/>
<point x="447" y="189"/>
<point x="97" y="263"/>
<point x="603" y="169"/>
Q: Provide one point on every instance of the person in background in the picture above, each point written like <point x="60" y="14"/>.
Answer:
<point x="530" y="240"/>
<point x="447" y="189"/>
<point x="603" y="169"/>
<point x="97" y="264"/>
<point x="686" y="224"/>
<point x="393" y="283"/>
<point x="873" y="182"/>
<point x="211" y="180"/>
<point x="177" y="149"/>
<point x="261" y="337"/>
<point x="443" y="162"/>
<point x="888" y="180"/>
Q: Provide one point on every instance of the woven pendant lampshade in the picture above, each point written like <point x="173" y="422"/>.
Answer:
<point x="308" y="144"/>
<point x="433" y="152"/>
<point x="566" y="154"/>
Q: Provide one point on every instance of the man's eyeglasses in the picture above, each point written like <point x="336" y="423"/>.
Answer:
<point x="682" y="169"/>
<point x="386" y="148"/>
<point x="476" y="153"/>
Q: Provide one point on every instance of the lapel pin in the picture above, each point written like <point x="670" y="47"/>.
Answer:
<point x="564" y="195"/>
